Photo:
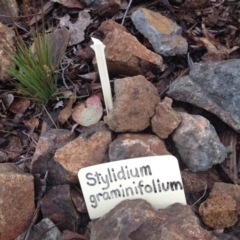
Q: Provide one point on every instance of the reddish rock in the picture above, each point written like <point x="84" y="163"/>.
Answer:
<point x="16" y="201"/>
<point x="230" y="189"/>
<point x="109" y="25"/>
<point x="126" y="56"/>
<point x="136" y="219"/>
<point x="58" y="207"/>
<point x="219" y="211"/>
<point x="135" y="101"/>
<point x="129" y="145"/>
<point x="84" y="151"/>
<point x="45" y="150"/>
<point x="78" y="201"/>
<point x="165" y="119"/>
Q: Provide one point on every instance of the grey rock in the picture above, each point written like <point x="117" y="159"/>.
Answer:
<point x="136" y="219"/>
<point x="57" y="205"/>
<point x="45" y="230"/>
<point x="162" y="33"/>
<point x="198" y="143"/>
<point x="129" y="145"/>
<point x="214" y="87"/>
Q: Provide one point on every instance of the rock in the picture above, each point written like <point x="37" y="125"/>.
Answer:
<point x="165" y="119"/>
<point x="44" y="230"/>
<point x="13" y="6"/>
<point x="84" y="151"/>
<point x="16" y="201"/>
<point x="136" y="219"/>
<point x="196" y="185"/>
<point x="125" y="55"/>
<point x="57" y="205"/>
<point x="197" y="143"/>
<point x="134" y="105"/>
<point x="6" y="42"/>
<point x="78" y="201"/>
<point x="3" y="157"/>
<point x="214" y="87"/>
<point x="162" y="33"/>
<point x="219" y="211"/>
<point x="230" y="189"/>
<point x="131" y="145"/>
<point x="109" y="25"/>
<point x="42" y="159"/>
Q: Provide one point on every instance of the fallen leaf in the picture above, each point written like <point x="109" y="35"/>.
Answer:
<point x="89" y="112"/>
<point x="32" y="124"/>
<point x="70" y="3"/>
<point x="58" y="104"/>
<point x="67" y="111"/>
<point x="20" y="105"/>
<point x="76" y="29"/>
<point x="68" y="235"/>
<point x="7" y="99"/>
<point x="215" y="50"/>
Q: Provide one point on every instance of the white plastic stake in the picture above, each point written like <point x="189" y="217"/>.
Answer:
<point x="98" y="48"/>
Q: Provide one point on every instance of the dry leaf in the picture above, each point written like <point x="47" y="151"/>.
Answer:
<point x="32" y="124"/>
<point x="215" y="50"/>
<point x="67" y="111"/>
<point x="70" y="3"/>
<point x="7" y="99"/>
<point x="76" y="29"/>
<point x="20" y="105"/>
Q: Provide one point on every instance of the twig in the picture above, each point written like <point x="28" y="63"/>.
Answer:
<point x="125" y="14"/>
<point x="205" y="190"/>
<point x="63" y="71"/>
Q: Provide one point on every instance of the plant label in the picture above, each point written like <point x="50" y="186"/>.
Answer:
<point x="156" y="179"/>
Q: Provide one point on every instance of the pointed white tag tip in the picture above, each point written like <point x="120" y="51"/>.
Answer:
<point x="96" y="41"/>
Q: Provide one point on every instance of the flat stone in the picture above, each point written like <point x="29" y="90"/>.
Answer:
<point x="232" y="190"/>
<point x="42" y="159"/>
<point x="136" y="219"/>
<point x="163" y="33"/>
<point x="125" y="55"/>
<point x="165" y="119"/>
<point x="44" y="230"/>
<point x="6" y="42"/>
<point x="130" y="145"/>
<point x="197" y="143"/>
<point x="214" y="87"/>
<point x="219" y="211"/>
<point x="16" y="201"/>
<point x="84" y="151"/>
<point x="57" y="205"/>
<point x="135" y="101"/>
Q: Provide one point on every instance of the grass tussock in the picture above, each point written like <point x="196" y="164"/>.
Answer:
<point x="34" y="74"/>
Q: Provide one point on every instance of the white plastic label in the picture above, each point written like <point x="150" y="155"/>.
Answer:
<point x="156" y="179"/>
